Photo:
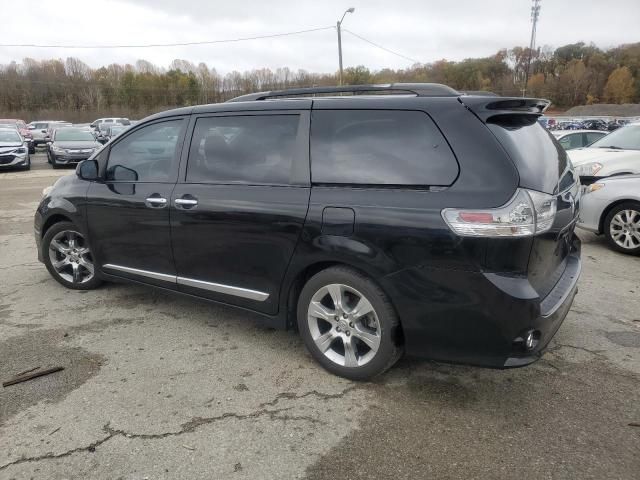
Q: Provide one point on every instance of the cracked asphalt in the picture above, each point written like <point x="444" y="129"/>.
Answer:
<point x="163" y="387"/>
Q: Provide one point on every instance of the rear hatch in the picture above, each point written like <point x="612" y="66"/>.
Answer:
<point x="543" y="166"/>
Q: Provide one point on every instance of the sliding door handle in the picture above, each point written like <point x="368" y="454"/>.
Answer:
<point x="186" y="202"/>
<point x="156" y="202"/>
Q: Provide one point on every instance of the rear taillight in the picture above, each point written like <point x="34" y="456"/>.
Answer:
<point x="527" y="213"/>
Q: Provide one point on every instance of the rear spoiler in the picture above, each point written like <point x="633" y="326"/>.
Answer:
<point x="486" y="107"/>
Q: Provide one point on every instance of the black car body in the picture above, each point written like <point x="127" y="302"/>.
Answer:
<point x="68" y="146"/>
<point x="248" y="202"/>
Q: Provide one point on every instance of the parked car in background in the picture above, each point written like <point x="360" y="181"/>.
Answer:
<point x="611" y="207"/>
<point x="595" y="124"/>
<point x="547" y="122"/>
<point x="569" y="125"/>
<point x="69" y="146"/>
<point x="570" y="139"/>
<point x="113" y="120"/>
<point x="53" y="126"/>
<point x="14" y="150"/>
<point x="615" y="154"/>
<point x="101" y="132"/>
<point x="417" y="226"/>
<point x="114" y="130"/>
<point x="39" y="129"/>
<point x="21" y="126"/>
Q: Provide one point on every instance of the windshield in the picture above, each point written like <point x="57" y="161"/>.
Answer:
<point x="73" y="135"/>
<point x="115" y="130"/>
<point x="627" y="138"/>
<point x="10" y="136"/>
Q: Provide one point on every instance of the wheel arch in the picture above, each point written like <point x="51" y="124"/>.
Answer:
<point x="52" y="220"/>
<point x="610" y="207"/>
<point x="294" y="288"/>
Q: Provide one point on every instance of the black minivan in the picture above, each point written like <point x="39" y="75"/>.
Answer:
<point x="399" y="218"/>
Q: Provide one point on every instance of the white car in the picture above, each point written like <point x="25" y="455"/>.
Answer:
<point x="615" y="154"/>
<point x="612" y="207"/>
<point x="570" y="139"/>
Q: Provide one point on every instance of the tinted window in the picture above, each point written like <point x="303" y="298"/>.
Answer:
<point x="592" y="137"/>
<point x="72" y="135"/>
<point x="379" y="147"/>
<point x="246" y="149"/>
<point x="146" y="155"/>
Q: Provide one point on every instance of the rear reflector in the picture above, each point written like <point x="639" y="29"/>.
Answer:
<point x="527" y="213"/>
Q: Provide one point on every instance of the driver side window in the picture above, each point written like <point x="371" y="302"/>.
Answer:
<point x="146" y="155"/>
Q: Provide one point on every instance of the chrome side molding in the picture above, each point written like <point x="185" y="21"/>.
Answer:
<point x="226" y="289"/>
<point x="142" y="273"/>
<point x="191" y="282"/>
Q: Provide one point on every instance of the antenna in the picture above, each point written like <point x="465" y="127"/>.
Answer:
<point x="535" y="14"/>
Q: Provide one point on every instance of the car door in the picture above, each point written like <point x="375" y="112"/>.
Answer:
<point x="128" y="212"/>
<point x="239" y="208"/>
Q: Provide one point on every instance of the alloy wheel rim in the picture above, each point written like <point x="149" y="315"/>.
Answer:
<point x="70" y="257"/>
<point x="625" y="229"/>
<point x="344" y="325"/>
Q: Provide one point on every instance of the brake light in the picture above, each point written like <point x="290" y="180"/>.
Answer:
<point x="527" y="213"/>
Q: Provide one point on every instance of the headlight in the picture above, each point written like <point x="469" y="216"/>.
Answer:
<point x="21" y="150"/>
<point x="589" y="169"/>
<point x="58" y="149"/>
<point x="594" y="187"/>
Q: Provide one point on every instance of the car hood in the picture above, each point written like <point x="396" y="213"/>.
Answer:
<point x="83" y="144"/>
<point x="580" y="156"/>
<point x="7" y="146"/>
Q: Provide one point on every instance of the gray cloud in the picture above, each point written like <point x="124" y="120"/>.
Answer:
<point x="426" y="30"/>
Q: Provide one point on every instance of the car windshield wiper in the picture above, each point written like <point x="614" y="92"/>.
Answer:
<point x="613" y="147"/>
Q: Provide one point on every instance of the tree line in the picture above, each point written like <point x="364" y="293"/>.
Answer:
<point x="575" y="74"/>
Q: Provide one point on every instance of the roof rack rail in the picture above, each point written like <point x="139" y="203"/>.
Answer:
<point x="419" y="89"/>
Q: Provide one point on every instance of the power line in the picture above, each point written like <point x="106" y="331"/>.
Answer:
<point x="183" y="44"/>
<point x="381" y="47"/>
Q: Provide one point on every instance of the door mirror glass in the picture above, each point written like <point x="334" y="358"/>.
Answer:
<point x="88" y="170"/>
<point x="120" y="173"/>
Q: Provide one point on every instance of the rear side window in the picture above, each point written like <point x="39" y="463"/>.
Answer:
<point x="251" y="149"/>
<point x="379" y="147"/>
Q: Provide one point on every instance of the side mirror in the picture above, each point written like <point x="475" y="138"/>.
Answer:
<point x="122" y="174"/>
<point x="43" y="131"/>
<point x="88" y="170"/>
<point x="31" y="127"/>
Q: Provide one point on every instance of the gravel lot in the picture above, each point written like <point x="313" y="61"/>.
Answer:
<point x="163" y="387"/>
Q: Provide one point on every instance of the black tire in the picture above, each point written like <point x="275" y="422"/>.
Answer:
<point x="52" y="232"/>
<point x="389" y="349"/>
<point x="32" y="149"/>
<point x="607" y="227"/>
<point x="28" y="165"/>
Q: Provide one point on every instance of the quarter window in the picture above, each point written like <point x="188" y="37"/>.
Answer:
<point x="379" y="147"/>
<point x="146" y="155"/>
<point x="258" y="149"/>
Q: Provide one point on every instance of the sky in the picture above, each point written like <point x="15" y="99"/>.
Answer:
<point x="421" y="30"/>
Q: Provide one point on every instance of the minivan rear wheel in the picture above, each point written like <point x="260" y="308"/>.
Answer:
<point x="622" y="227"/>
<point x="348" y="324"/>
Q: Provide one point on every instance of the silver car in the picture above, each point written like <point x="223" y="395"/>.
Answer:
<point x="14" y="150"/>
<point x="611" y="207"/>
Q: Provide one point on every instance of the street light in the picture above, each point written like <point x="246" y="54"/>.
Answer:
<point x="338" y="25"/>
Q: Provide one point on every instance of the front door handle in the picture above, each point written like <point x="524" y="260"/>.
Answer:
<point x="186" y="202"/>
<point x="156" y="201"/>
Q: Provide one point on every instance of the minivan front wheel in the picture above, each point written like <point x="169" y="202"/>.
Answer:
<point x="68" y="257"/>
<point x="348" y="324"/>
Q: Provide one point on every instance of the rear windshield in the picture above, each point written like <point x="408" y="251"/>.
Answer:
<point x="540" y="159"/>
<point x="627" y="138"/>
<point x="379" y="147"/>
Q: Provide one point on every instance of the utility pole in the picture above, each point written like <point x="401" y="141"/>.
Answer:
<point x="338" y="28"/>
<point x="535" y="13"/>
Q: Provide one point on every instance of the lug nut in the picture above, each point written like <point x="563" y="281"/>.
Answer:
<point x="351" y="324"/>
<point x="338" y="329"/>
<point x="348" y="333"/>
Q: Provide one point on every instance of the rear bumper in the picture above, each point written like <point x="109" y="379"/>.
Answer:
<point x="480" y="318"/>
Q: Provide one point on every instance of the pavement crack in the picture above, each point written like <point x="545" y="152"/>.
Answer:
<point x="315" y="393"/>
<point x="197" y="422"/>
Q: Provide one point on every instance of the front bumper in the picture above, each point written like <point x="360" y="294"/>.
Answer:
<point x="68" y="159"/>
<point x="479" y="318"/>
<point x="12" y="161"/>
